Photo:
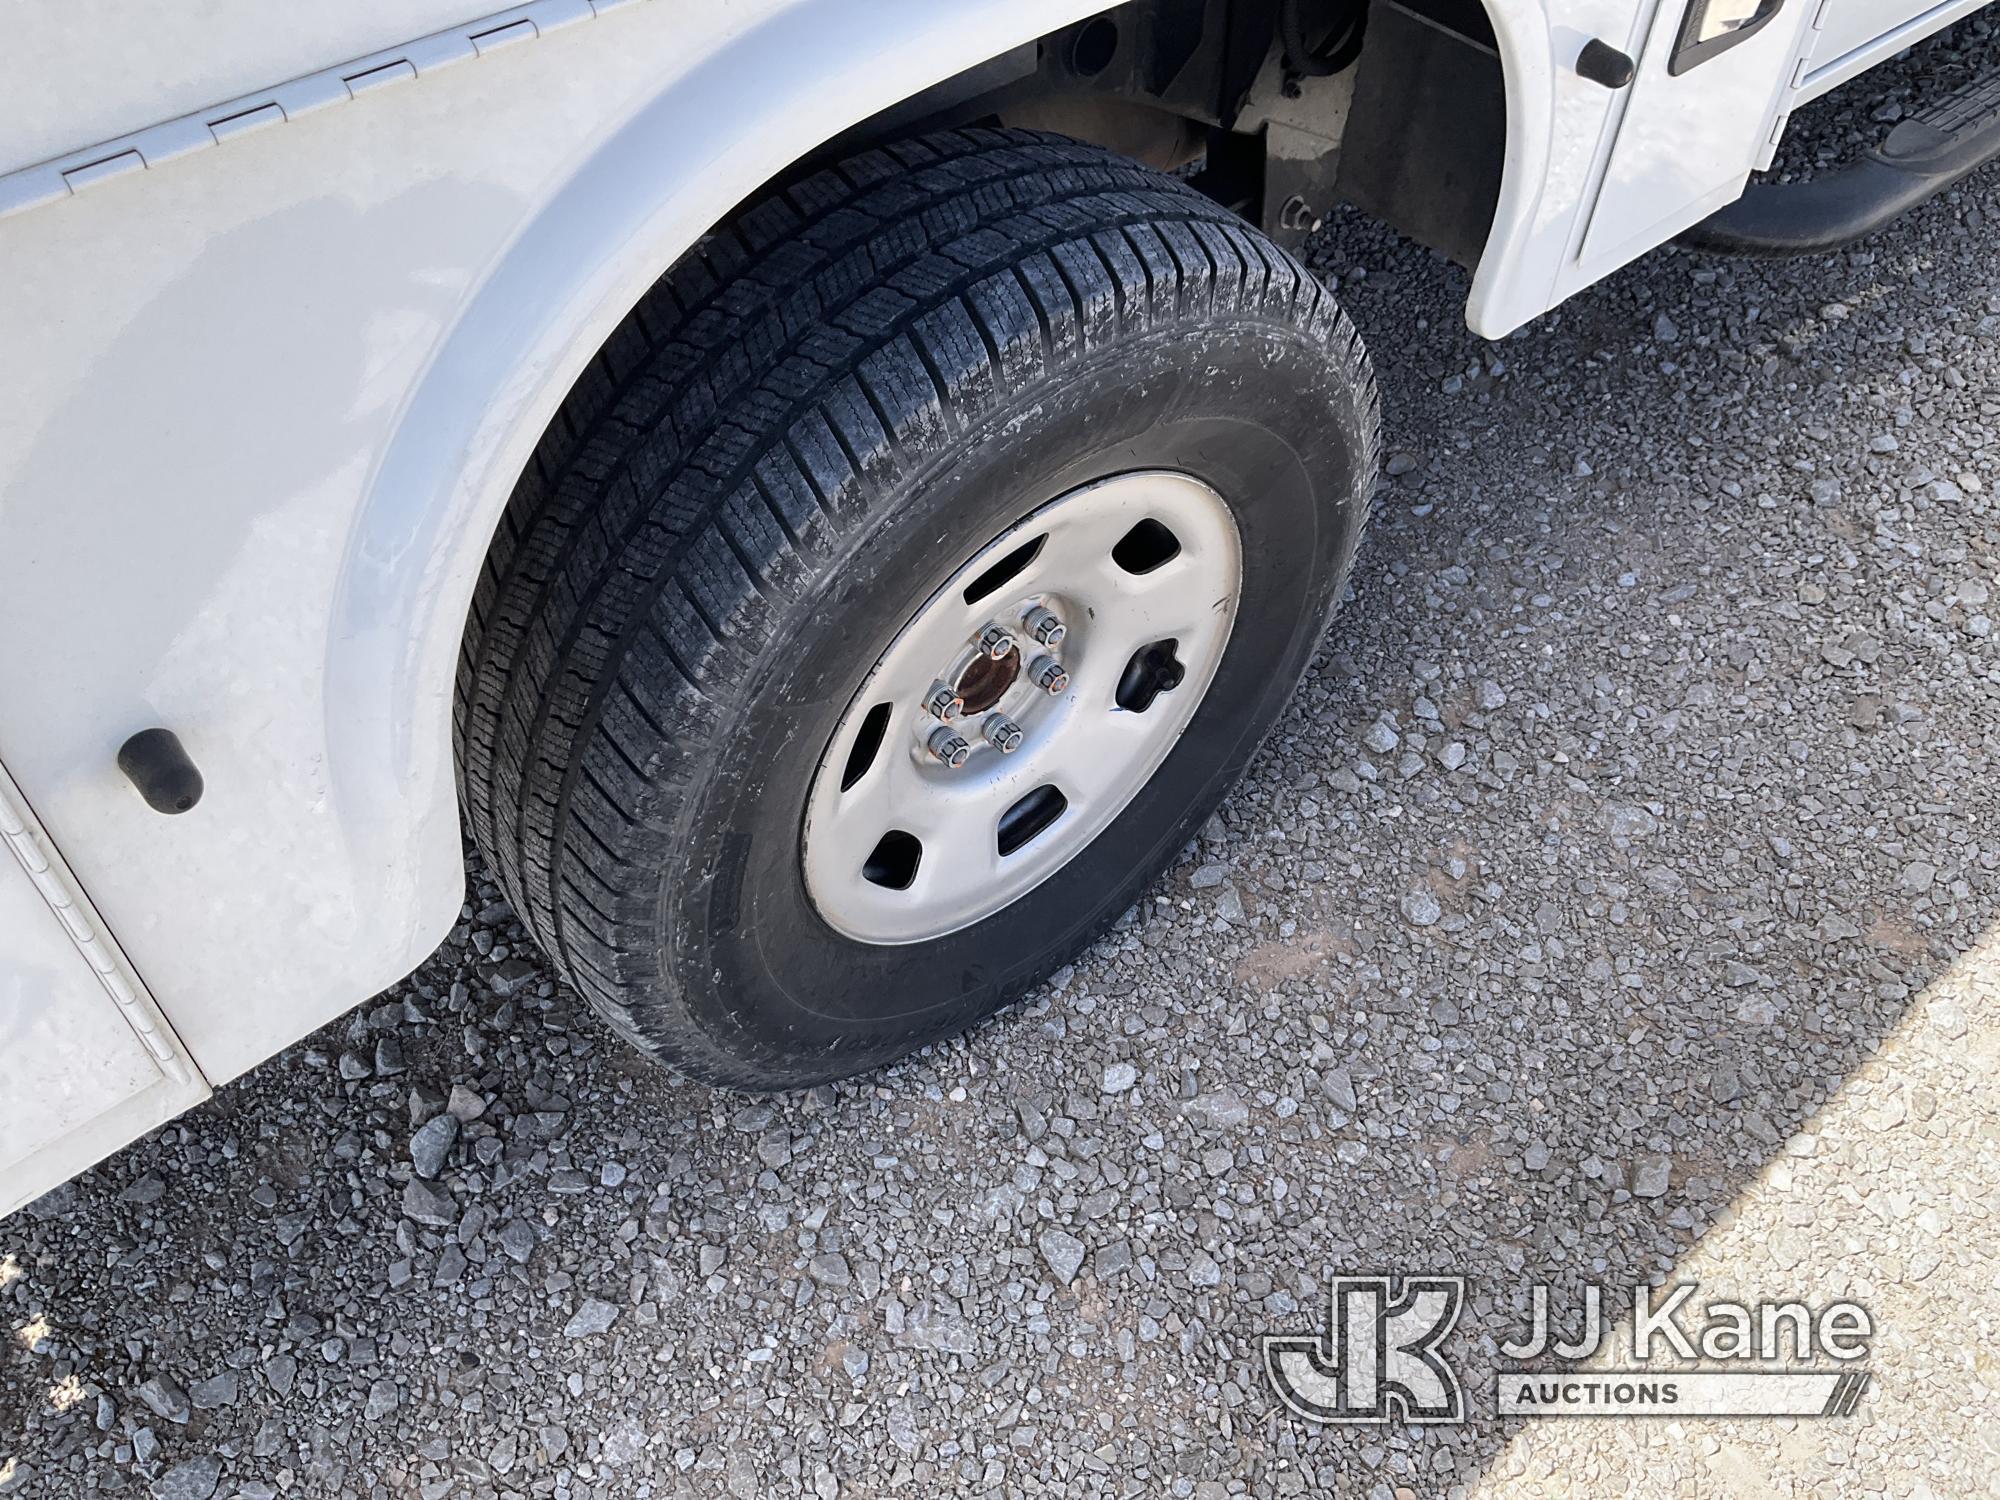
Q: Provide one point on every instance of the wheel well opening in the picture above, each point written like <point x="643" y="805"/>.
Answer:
<point x="1280" y="109"/>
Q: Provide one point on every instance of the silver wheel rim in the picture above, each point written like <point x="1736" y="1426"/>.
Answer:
<point x="1141" y="573"/>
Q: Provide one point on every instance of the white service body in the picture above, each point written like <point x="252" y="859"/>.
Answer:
<point x="289" y="294"/>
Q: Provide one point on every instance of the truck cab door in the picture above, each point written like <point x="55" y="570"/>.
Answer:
<point x="87" y="1062"/>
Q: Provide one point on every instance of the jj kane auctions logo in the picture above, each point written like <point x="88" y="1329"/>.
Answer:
<point x="1382" y="1357"/>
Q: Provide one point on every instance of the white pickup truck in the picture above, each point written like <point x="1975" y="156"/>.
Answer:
<point x="829" y="494"/>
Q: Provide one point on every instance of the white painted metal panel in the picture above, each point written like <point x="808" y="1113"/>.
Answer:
<point x="1555" y="124"/>
<point x="66" y="1055"/>
<point x="260" y="411"/>
<point x="1850" y="25"/>
<point x="1684" y="146"/>
<point x="1857" y="34"/>
<point x="86" y="70"/>
<point x="86" y="1060"/>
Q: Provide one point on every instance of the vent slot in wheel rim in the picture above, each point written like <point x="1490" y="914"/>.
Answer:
<point x="867" y="740"/>
<point x="1146" y="546"/>
<point x="1005" y="571"/>
<point x="893" y="863"/>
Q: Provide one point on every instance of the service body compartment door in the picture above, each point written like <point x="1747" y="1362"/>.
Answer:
<point x="1683" y="143"/>
<point x="87" y="1063"/>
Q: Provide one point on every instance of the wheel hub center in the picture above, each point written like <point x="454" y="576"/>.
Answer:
<point x="985" y="680"/>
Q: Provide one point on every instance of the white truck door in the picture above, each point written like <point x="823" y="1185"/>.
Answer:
<point x="1714" y="84"/>
<point x="87" y="1062"/>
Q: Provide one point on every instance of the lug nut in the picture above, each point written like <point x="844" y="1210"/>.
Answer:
<point x="943" y="701"/>
<point x="1002" y="733"/>
<point x="1046" y="673"/>
<point x="949" y="746"/>
<point x="995" y="642"/>
<point x="1045" y="627"/>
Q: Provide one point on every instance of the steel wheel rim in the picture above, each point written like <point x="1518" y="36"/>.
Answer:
<point x="1143" y="572"/>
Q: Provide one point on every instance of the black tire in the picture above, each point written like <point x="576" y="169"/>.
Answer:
<point x="811" y="421"/>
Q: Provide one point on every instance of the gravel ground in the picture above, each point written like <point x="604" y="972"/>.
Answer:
<point x="1616" y="904"/>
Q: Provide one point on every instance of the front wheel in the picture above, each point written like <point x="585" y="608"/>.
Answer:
<point x="921" y="567"/>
